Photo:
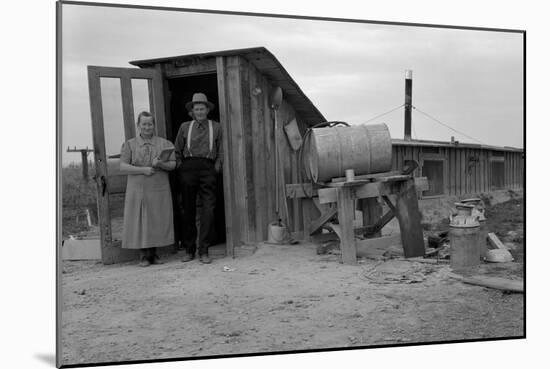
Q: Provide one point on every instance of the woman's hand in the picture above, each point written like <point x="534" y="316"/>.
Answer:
<point x="156" y="162"/>
<point x="148" y="171"/>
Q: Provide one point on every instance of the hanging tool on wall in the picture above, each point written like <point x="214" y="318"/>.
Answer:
<point x="276" y="100"/>
<point x="277" y="230"/>
<point x="293" y="134"/>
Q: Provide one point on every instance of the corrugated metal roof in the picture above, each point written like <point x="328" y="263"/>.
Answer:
<point x="427" y="143"/>
<point x="269" y="66"/>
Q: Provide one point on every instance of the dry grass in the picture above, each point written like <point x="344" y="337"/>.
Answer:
<point x="76" y="197"/>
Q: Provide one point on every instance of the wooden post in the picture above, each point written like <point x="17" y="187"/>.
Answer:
<point x="98" y="132"/>
<point x="232" y="226"/>
<point x="84" y="159"/>
<point x="408" y="216"/>
<point x="307" y="205"/>
<point x="345" y="219"/>
<point x="128" y="107"/>
<point x="408" y="103"/>
<point x="258" y="158"/>
<point x="249" y="158"/>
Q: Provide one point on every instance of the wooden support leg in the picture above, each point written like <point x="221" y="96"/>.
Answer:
<point x="371" y="213"/>
<point x="374" y="230"/>
<point x="408" y="216"/>
<point x="325" y="217"/>
<point x="388" y="202"/>
<point x="307" y="205"/>
<point x="346" y="213"/>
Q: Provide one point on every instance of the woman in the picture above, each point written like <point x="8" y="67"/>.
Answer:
<point x="148" y="222"/>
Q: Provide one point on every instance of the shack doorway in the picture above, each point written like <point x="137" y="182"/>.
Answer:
<point x="181" y="91"/>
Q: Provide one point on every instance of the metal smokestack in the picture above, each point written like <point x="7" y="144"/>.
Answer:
<point x="408" y="103"/>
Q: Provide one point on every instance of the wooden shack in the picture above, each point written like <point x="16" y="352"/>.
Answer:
<point x="458" y="169"/>
<point x="240" y="84"/>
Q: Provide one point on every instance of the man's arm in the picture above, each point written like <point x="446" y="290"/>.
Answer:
<point x="180" y="145"/>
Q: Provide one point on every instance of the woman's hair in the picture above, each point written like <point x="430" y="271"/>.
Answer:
<point x="144" y="114"/>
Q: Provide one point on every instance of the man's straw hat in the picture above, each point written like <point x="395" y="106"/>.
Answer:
<point x="201" y="98"/>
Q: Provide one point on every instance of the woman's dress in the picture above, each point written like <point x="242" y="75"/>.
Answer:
<point x="148" y="217"/>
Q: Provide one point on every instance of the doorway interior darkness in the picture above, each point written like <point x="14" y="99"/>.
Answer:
<point x="181" y="92"/>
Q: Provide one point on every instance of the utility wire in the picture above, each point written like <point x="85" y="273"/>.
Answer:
<point x="440" y="122"/>
<point x="381" y="115"/>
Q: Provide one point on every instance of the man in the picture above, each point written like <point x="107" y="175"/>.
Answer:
<point x="199" y="160"/>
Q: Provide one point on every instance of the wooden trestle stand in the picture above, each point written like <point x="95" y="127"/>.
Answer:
<point x="368" y="189"/>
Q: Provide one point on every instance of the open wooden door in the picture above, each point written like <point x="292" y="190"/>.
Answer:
<point x="117" y="96"/>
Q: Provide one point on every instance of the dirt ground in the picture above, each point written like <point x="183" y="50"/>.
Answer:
<point x="279" y="298"/>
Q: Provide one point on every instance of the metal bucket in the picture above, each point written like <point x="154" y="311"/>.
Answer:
<point x="364" y="148"/>
<point x="277" y="233"/>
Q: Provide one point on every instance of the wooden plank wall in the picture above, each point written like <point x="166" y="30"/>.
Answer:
<point x="259" y="152"/>
<point x="262" y="155"/>
<point x="519" y="171"/>
<point x="483" y="167"/>
<point x="289" y="159"/>
<point x="231" y="221"/>
<point x="248" y="150"/>
<point x="513" y="170"/>
<point x="465" y="176"/>
<point x="259" y="157"/>
<point x="235" y="131"/>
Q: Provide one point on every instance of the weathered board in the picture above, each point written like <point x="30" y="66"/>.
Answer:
<point x="231" y="224"/>
<point x="259" y="156"/>
<point x="257" y="165"/>
<point x="316" y="225"/>
<point x="374" y="189"/>
<point x="177" y="70"/>
<point x="235" y="122"/>
<point x="409" y="217"/>
<point x="345" y="220"/>
<point x="467" y="170"/>
<point x="246" y="106"/>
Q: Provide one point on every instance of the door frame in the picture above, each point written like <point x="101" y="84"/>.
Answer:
<point x="111" y="251"/>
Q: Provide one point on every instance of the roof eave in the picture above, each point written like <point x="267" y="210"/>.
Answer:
<point x="427" y="143"/>
<point x="311" y="115"/>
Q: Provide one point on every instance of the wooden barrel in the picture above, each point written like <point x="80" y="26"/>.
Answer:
<point x="364" y="148"/>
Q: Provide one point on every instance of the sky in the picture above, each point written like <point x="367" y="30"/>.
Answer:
<point x="469" y="80"/>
